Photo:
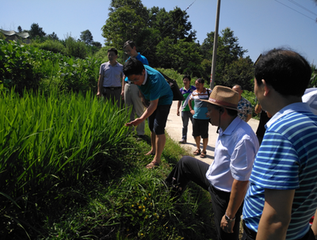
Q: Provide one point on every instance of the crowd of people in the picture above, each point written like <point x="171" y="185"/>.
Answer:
<point x="269" y="178"/>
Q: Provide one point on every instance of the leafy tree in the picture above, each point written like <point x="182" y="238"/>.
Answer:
<point x="19" y="29"/>
<point x="96" y="44"/>
<point x="122" y="24"/>
<point x="53" y="36"/>
<point x="136" y="5"/>
<point x="239" y="72"/>
<point x="36" y="30"/>
<point x="183" y="56"/>
<point x="86" y="37"/>
<point x="229" y="55"/>
<point x="313" y="79"/>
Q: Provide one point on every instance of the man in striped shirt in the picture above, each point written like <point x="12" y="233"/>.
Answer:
<point x="282" y="195"/>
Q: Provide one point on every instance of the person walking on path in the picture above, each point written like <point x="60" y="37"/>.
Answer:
<point x="200" y="120"/>
<point x="130" y="92"/>
<point x="227" y="177"/>
<point x="185" y="112"/>
<point x="282" y="196"/>
<point x="244" y="106"/>
<point x="155" y="88"/>
<point x="110" y="75"/>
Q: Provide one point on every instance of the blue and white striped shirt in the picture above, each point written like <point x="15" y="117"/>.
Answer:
<point x="286" y="160"/>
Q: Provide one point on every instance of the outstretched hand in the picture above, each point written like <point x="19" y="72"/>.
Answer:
<point x="135" y="122"/>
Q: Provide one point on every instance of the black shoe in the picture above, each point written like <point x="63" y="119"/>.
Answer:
<point x="183" y="141"/>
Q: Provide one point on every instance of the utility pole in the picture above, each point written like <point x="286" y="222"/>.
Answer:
<point x="214" y="52"/>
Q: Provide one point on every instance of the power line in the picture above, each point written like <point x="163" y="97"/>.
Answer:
<point x="302" y="7"/>
<point x="296" y="10"/>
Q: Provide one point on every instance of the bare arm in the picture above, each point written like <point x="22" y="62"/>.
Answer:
<point x="178" y="106"/>
<point x="99" y="86"/>
<point x="122" y="85"/>
<point x="276" y="214"/>
<point x="238" y="191"/>
<point x="190" y="107"/>
<point x="148" y="112"/>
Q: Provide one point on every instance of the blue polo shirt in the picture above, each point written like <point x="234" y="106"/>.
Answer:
<point x="142" y="59"/>
<point x="286" y="160"/>
<point x="156" y="87"/>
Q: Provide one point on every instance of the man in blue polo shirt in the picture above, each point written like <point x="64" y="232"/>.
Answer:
<point x="155" y="89"/>
<point x="130" y="92"/>
<point x="282" y="195"/>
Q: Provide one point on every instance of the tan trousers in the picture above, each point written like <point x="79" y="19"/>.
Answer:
<point x="132" y="99"/>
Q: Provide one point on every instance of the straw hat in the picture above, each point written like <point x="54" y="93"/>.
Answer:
<point x="224" y="97"/>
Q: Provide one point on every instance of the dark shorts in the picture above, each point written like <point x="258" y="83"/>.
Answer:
<point x="200" y="127"/>
<point x="157" y="121"/>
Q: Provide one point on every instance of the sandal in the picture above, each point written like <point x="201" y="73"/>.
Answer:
<point x="152" y="165"/>
<point x="197" y="152"/>
<point x="203" y="154"/>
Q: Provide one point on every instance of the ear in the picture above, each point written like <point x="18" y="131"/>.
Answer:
<point x="265" y="87"/>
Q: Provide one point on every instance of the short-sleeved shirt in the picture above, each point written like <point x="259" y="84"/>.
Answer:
<point x="142" y="59"/>
<point x="287" y="160"/>
<point x="200" y="107"/>
<point x="156" y="87"/>
<point x="235" y="151"/>
<point x="111" y="75"/>
<point x="244" y="108"/>
<point x="185" y="94"/>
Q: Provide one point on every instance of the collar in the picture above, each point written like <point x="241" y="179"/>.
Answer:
<point x="294" y="107"/>
<point x="113" y="65"/>
<point x="145" y="77"/>
<point x="232" y="126"/>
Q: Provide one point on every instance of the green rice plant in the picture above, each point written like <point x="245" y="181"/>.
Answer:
<point x="50" y="142"/>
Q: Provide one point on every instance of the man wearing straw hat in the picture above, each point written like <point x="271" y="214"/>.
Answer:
<point x="227" y="177"/>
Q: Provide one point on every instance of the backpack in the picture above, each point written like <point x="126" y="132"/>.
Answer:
<point x="177" y="95"/>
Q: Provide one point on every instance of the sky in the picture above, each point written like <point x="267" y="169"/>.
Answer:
<point x="259" y="25"/>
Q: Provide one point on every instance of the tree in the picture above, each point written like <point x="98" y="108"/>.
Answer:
<point x="229" y="58"/>
<point x="122" y="24"/>
<point x="19" y="29"/>
<point x="53" y="36"/>
<point x="184" y="57"/>
<point x="86" y="37"/>
<point x="239" y="72"/>
<point x="36" y="30"/>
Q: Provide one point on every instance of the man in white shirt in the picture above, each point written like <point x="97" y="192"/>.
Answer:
<point x="227" y="178"/>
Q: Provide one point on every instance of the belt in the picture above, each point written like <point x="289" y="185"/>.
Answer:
<point x="111" y="88"/>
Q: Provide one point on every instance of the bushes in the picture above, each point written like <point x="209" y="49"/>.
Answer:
<point x="27" y="67"/>
<point x="17" y="67"/>
<point x="53" y="46"/>
<point x="75" y="48"/>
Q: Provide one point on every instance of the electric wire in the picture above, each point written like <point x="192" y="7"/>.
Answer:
<point x="296" y="10"/>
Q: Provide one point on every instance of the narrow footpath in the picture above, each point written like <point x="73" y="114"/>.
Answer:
<point x="174" y="127"/>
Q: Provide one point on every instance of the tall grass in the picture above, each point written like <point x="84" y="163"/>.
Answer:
<point x="49" y="142"/>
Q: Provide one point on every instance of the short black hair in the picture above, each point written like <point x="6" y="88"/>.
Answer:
<point x="113" y="50"/>
<point x="285" y="70"/>
<point x="187" y="76"/>
<point x="133" y="67"/>
<point x="129" y="43"/>
<point x="200" y="80"/>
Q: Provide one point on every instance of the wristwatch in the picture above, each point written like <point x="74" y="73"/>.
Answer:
<point x="228" y="219"/>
